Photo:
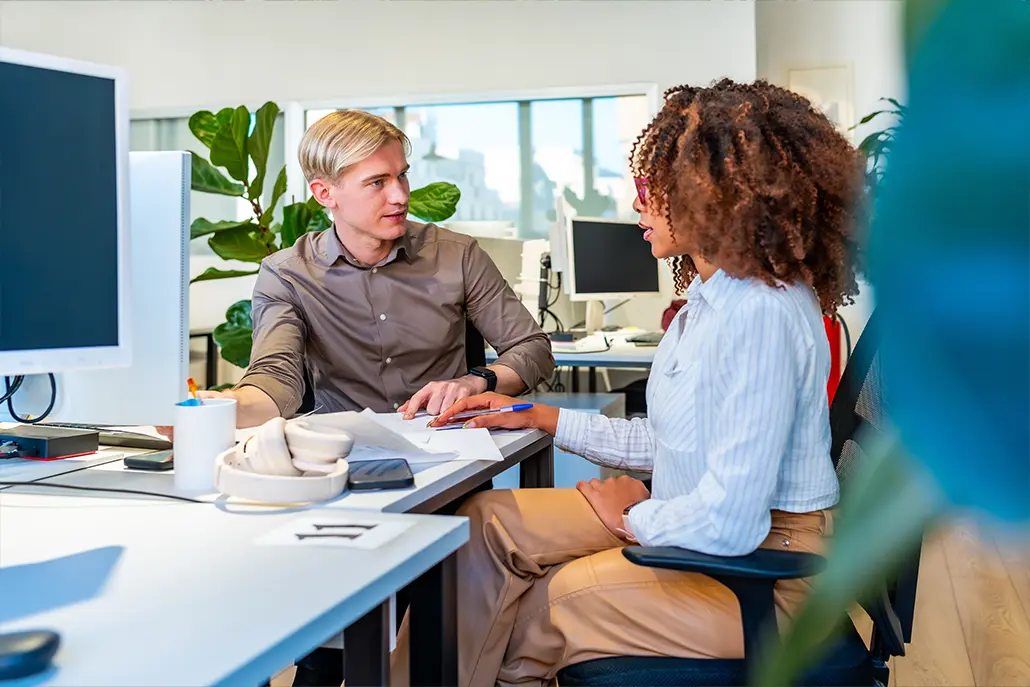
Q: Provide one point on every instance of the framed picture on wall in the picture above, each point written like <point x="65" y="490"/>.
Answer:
<point x="831" y="89"/>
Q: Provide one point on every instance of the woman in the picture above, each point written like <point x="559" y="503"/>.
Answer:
<point x="751" y="193"/>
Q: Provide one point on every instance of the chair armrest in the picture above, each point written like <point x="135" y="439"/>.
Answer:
<point x="762" y="564"/>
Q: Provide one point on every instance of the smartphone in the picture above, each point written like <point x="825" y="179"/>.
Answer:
<point x="154" y="461"/>
<point x="394" y="473"/>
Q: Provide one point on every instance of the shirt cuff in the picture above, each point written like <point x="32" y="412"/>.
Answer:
<point x="283" y="395"/>
<point x="572" y="431"/>
<point x="639" y="517"/>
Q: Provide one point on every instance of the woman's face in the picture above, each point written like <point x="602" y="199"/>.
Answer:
<point x="657" y="230"/>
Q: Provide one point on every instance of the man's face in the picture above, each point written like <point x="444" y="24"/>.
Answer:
<point x="370" y="197"/>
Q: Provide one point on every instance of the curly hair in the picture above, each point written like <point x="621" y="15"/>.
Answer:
<point x="754" y="179"/>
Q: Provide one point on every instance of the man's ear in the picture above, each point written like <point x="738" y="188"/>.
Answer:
<point x="322" y="193"/>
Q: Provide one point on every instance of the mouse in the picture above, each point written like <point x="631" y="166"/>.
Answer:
<point x="27" y="653"/>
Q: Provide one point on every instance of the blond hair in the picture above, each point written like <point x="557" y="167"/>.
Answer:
<point x="344" y="138"/>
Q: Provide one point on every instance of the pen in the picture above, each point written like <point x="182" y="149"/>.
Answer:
<point x="469" y="414"/>
<point x="192" y="386"/>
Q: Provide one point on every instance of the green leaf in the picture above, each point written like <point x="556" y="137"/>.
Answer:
<point x="205" y="125"/>
<point x="229" y="147"/>
<point x="221" y="387"/>
<point x="320" y="220"/>
<point x="871" y="116"/>
<point x="313" y="204"/>
<point x="203" y="227"/>
<point x="435" y="202"/>
<point x="240" y="243"/>
<point x="296" y="218"/>
<point x="277" y="192"/>
<point x="887" y="508"/>
<point x="215" y="273"/>
<point x="207" y="179"/>
<point x="895" y="103"/>
<point x="235" y="336"/>
<point x="258" y="144"/>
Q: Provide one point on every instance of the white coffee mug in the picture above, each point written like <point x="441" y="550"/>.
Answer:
<point x="202" y="431"/>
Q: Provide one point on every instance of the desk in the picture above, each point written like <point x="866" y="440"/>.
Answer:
<point x="620" y="354"/>
<point x="436" y="485"/>
<point x="162" y="593"/>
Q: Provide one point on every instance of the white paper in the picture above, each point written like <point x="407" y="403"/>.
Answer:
<point x="467" y="444"/>
<point x="374" y="441"/>
<point x="335" y="530"/>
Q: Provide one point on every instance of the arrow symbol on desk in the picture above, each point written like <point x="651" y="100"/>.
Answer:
<point x="364" y="527"/>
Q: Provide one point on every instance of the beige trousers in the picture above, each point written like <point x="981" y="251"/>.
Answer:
<point x="542" y="584"/>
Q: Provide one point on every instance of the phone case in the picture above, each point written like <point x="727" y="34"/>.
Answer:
<point x="380" y="474"/>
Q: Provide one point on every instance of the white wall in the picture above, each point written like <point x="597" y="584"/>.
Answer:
<point x="202" y="54"/>
<point x="863" y="34"/>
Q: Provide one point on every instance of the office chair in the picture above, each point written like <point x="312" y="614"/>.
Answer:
<point x="857" y="405"/>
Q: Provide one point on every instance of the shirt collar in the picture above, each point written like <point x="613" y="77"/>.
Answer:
<point x="719" y="291"/>
<point x="333" y="249"/>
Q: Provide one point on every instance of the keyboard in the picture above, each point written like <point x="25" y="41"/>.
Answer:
<point x="646" y="338"/>
<point x="117" y="437"/>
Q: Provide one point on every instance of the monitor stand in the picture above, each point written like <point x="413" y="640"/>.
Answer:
<point x="594" y="316"/>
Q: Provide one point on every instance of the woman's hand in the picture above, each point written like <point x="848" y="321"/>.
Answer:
<point x="538" y="417"/>
<point x="610" y="497"/>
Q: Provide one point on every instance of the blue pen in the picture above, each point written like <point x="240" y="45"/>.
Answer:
<point x="469" y="414"/>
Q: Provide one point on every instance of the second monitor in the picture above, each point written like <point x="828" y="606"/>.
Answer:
<point x="609" y="259"/>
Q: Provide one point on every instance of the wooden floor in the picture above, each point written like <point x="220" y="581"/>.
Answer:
<point x="972" y="623"/>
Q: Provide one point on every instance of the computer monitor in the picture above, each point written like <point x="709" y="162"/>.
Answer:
<point x="64" y="215"/>
<point x="608" y="259"/>
<point x="145" y="392"/>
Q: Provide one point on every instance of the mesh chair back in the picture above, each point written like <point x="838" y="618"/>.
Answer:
<point x="858" y="407"/>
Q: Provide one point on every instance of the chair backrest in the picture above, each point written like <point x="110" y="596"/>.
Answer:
<point x="859" y="412"/>
<point x="475" y="356"/>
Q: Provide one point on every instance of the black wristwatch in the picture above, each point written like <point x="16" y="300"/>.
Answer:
<point x="487" y="374"/>
<point x="626" y="510"/>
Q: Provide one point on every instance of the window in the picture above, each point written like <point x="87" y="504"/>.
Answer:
<point x="512" y="160"/>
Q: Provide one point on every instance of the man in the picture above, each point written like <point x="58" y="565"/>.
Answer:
<point x="375" y="308"/>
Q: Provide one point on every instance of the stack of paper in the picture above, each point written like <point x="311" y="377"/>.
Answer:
<point x="381" y="436"/>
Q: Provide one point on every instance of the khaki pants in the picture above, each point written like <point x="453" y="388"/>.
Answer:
<point x="542" y="584"/>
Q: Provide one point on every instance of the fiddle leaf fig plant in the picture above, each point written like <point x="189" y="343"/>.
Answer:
<point x="239" y="142"/>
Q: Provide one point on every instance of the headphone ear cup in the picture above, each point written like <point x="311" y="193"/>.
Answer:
<point x="270" y="455"/>
<point x="315" y="449"/>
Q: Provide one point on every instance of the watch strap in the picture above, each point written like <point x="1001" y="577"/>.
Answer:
<point x="486" y="373"/>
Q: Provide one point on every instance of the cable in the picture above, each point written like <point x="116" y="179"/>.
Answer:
<point x="557" y="291"/>
<point x="847" y="338"/>
<point x="9" y="397"/>
<point x="105" y="489"/>
<point x="12" y="388"/>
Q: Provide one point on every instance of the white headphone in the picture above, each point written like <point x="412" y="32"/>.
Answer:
<point x="286" y="462"/>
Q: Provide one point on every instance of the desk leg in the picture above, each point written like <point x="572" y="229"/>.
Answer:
<point x="434" y="626"/>
<point x="574" y="382"/>
<point x="211" y="361"/>
<point x="537" y="471"/>
<point x="367" y="649"/>
<point x="592" y="380"/>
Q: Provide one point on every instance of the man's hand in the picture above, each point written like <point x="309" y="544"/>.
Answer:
<point x="438" y="396"/>
<point x="610" y="497"/>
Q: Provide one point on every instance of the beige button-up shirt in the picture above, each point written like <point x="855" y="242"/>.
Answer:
<point x="372" y="335"/>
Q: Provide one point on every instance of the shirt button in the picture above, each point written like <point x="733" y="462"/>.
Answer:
<point x="389" y="360"/>
<point x="382" y="317"/>
<point x="396" y="406"/>
<point x="374" y="270"/>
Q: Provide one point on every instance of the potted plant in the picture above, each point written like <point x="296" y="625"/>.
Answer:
<point x="239" y="143"/>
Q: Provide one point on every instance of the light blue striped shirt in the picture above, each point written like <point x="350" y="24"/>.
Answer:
<point x="738" y="419"/>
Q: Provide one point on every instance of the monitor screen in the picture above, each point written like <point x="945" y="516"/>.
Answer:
<point x="612" y="258"/>
<point x="59" y="206"/>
